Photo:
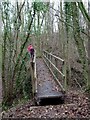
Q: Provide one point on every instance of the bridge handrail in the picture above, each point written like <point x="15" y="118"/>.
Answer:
<point x="55" y="67"/>
<point x="51" y="63"/>
<point x="53" y="56"/>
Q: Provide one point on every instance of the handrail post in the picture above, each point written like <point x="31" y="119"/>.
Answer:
<point x="33" y="75"/>
<point x="56" y="66"/>
<point x="50" y="60"/>
<point x="64" y="71"/>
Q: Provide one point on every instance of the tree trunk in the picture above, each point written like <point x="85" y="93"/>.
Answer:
<point x="79" y="41"/>
<point x="89" y="46"/>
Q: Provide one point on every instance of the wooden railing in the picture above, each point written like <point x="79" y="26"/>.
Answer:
<point x="33" y="75"/>
<point x="56" y="67"/>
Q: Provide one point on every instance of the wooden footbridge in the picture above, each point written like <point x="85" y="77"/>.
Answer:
<point x="48" y="79"/>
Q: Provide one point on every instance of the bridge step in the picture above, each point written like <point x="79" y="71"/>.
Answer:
<point x="50" y="100"/>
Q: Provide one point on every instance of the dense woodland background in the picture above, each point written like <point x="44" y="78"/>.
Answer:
<point x="63" y="30"/>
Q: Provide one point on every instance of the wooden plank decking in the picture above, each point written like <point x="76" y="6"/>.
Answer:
<point x="46" y="85"/>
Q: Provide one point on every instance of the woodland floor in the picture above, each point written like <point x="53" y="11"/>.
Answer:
<point x="76" y="106"/>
